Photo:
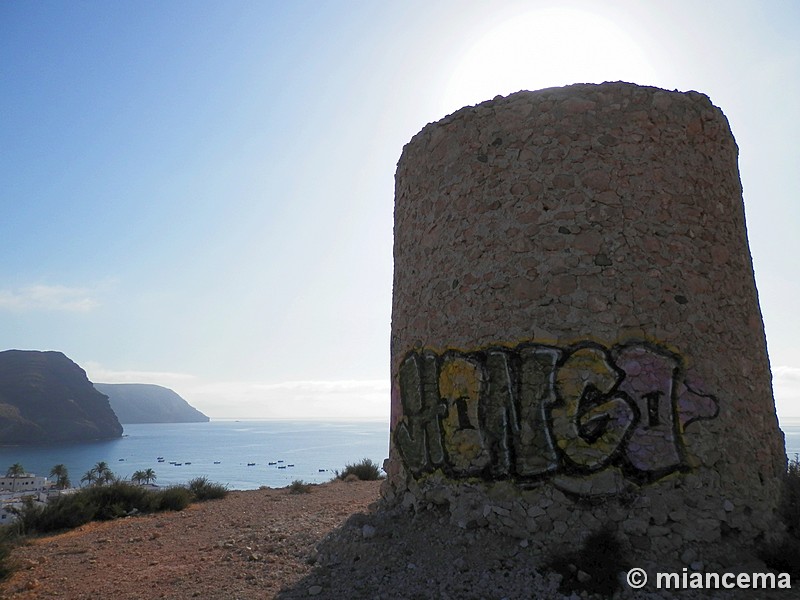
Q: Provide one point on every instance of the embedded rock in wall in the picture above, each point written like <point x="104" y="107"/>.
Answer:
<point x="576" y="336"/>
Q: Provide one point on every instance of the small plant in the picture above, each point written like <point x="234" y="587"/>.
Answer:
<point x="594" y="568"/>
<point x="8" y="539"/>
<point x="173" y="498"/>
<point x="785" y="556"/>
<point x="202" y="489"/>
<point x="365" y="470"/>
<point x="790" y="501"/>
<point x="298" y="486"/>
<point x="65" y="512"/>
<point x="118" y="499"/>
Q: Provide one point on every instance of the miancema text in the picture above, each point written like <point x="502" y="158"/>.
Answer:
<point x="715" y="581"/>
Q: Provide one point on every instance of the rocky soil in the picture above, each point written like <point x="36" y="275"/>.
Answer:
<point x="332" y="542"/>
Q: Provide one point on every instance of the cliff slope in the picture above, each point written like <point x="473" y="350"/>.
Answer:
<point x="146" y="403"/>
<point x="45" y="398"/>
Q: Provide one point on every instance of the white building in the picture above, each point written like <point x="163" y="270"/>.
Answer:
<point x="28" y="482"/>
<point x="13" y="491"/>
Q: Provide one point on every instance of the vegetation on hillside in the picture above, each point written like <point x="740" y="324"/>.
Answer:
<point x="105" y="497"/>
<point x="202" y="489"/>
<point x="61" y="475"/>
<point x="15" y="470"/>
<point x="365" y="470"/>
<point x="146" y="477"/>
<point x="100" y="474"/>
<point x="298" y="486"/>
<point x="785" y="557"/>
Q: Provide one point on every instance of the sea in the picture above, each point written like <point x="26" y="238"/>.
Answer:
<point x="791" y="434"/>
<point x="243" y="455"/>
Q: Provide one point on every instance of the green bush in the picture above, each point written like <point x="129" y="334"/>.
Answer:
<point x="8" y="539"/>
<point x="173" y="498"/>
<point x="118" y="499"/>
<point x="298" y="486"/>
<point x="785" y="556"/>
<point x="366" y="470"/>
<point x="96" y="503"/>
<point x="65" y="512"/>
<point x="790" y="500"/>
<point x="202" y="489"/>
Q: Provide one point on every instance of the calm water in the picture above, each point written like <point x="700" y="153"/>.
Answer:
<point x="219" y="450"/>
<point x="791" y="432"/>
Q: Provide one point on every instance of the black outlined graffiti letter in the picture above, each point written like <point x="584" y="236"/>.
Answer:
<point x="499" y="412"/>
<point x="418" y="437"/>
<point x="536" y="452"/>
<point x="650" y="375"/>
<point x="461" y="382"/>
<point x="590" y="422"/>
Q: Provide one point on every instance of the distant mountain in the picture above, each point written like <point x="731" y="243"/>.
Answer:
<point x="47" y="398"/>
<point x="147" y="403"/>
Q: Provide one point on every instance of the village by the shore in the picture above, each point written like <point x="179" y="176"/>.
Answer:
<point x="18" y="487"/>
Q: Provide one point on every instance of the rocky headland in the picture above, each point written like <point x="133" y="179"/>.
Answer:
<point x="47" y="398"/>
<point x="147" y="403"/>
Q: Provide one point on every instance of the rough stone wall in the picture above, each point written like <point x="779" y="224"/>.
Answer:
<point x="576" y="336"/>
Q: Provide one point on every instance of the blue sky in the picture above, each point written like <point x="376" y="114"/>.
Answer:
<point x="200" y="194"/>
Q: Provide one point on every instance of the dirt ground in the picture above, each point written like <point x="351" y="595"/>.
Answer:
<point x="249" y="545"/>
<point x="333" y="543"/>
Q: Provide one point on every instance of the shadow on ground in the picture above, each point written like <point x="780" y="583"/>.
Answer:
<point x="398" y="554"/>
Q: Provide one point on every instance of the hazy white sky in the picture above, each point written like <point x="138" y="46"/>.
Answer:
<point x="199" y="194"/>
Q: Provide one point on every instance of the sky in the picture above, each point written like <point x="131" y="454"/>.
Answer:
<point x="199" y="194"/>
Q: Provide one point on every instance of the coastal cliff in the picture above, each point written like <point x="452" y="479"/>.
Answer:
<point x="147" y="403"/>
<point x="46" y="398"/>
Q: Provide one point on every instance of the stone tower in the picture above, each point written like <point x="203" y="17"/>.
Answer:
<point x="576" y="337"/>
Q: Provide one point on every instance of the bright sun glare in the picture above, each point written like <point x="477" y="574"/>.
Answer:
<point x="545" y="48"/>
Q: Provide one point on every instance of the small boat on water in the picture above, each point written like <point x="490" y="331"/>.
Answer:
<point x="251" y="464"/>
<point x="281" y="467"/>
<point x="216" y="462"/>
<point x="178" y="464"/>
<point x="322" y="470"/>
<point x="289" y="465"/>
<point x="280" y="461"/>
<point x="187" y="463"/>
<point x="272" y="463"/>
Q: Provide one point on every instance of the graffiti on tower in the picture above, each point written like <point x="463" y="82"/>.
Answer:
<point x="584" y="414"/>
